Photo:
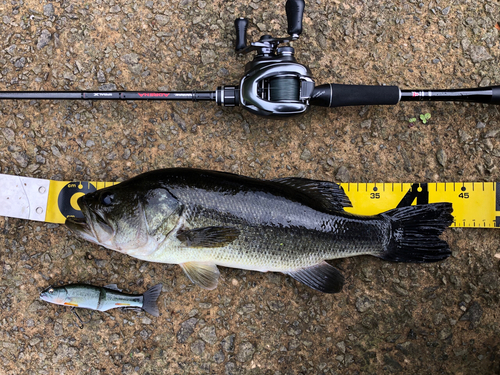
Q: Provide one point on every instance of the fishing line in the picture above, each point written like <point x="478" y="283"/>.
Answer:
<point x="275" y="84"/>
<point x="284" y="89"/>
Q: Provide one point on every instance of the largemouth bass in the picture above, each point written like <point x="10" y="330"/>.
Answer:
<point x="204" y="219"/>
<point x="102" y="298"/>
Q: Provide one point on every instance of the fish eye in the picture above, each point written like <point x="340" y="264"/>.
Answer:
<point x="107" y="199"/>
<point x="51" y="290"/>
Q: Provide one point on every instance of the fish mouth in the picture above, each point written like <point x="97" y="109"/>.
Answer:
<point x="90" y="225"/>
<point x="44" y="295"/>
<point x="79" y="226"/>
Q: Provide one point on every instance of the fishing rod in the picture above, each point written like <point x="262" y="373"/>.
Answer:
<point x="276" y="85"/>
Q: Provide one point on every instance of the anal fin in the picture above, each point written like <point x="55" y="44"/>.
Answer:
<point x="322" y="277"/>
<point x="203" y="274"/>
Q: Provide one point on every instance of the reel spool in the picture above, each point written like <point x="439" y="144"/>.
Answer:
<point x="283" y="89"/>
<point x="275" y="84"/>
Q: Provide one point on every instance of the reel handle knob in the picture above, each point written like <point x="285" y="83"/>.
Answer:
<point x="294" y="13"/>
<point x="241" y="25"/>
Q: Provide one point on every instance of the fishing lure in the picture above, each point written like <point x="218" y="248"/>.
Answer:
<point x="101" y="298"/>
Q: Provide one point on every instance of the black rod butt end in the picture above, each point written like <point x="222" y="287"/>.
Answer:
<point x="495" y="95"/>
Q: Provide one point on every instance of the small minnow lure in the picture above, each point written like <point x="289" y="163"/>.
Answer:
<point x="101" y="298"/>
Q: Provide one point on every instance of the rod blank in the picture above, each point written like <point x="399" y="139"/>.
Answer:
<point x="110" y="95"/>
<point x="490" y="95"/>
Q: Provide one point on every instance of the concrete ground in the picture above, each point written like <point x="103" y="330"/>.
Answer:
<point x="390" y="318"/>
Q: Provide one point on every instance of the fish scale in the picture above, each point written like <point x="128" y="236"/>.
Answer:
<point x="204" y="219"/>
<point x="281" y="249"/>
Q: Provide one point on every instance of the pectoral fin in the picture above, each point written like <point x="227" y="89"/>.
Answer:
<point x="208" y="237"/>
<point x="322" y="277"/>
<point x="202" y="274"/>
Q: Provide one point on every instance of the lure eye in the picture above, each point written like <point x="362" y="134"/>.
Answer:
<point x="51" y="290"/>
<point x="107" y="199"/>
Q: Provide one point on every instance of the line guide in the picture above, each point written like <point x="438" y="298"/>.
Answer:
<point x="475" y="204"/>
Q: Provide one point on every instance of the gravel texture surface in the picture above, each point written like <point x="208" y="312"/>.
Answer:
<point x="391" y="318"/>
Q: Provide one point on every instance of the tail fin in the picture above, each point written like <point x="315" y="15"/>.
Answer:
<point x="416" y="231"/>
<point x="149" y="300"/>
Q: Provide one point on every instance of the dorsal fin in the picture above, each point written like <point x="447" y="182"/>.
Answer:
<point x="113" y="287"/>
<point x="324" y="195"/>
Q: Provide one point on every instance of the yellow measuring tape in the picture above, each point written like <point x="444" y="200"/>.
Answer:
<point x="475" y="204"/>
<point x="63" y="195"/>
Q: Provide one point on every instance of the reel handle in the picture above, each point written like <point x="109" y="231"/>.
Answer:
<point x="241" y="25"/>
<point x="294" y="13"/>
<point x="335" y="95"/>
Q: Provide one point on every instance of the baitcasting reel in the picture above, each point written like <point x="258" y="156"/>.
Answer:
<point x="276" y="85"/>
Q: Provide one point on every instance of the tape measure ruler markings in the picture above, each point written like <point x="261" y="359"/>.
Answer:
<point x="63" y="196"/>
<point x="475" y="204"/>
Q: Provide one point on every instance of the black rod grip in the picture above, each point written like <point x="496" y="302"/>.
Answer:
<point x="294" y="13"/>
<point x="334" y="95"/>
<point x="495" y="95"/>
<point x="241" y="25"/>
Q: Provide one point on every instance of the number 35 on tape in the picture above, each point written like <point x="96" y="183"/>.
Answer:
<point x="475" y="204"/>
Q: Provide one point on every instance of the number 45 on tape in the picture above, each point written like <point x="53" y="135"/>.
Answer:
<point x="475" y="204"/>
